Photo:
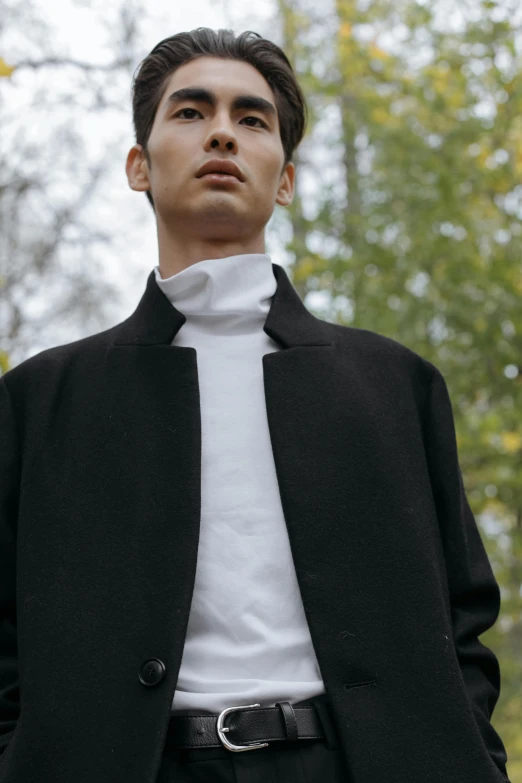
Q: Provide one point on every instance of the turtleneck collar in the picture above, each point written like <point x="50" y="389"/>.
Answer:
<point x="240" y="285"/>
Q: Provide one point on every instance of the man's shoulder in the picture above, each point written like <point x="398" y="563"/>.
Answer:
<point x="370" y="347"/>
<point x="61" y="356"/>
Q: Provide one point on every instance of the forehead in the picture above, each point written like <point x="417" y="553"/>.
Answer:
<point x="225" y="77"/>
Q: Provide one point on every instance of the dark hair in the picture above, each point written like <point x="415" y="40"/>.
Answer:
<point x="153" y="73"/>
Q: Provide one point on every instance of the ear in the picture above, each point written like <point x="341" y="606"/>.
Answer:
<point x="285" y="193"/>
<point x="137" y="169"/>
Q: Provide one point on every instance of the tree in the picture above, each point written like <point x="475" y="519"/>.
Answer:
<point x="49" y="239"/>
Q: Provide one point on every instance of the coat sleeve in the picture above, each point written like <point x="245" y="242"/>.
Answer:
<point x="9" y="494"/>
<point x="474" y="591"/>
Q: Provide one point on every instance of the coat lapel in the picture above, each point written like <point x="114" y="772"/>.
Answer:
<point x="158" y="415"/>
<point x="156" y="322"/>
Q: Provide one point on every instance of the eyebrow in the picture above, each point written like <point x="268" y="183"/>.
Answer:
<point x="202" y="95"/>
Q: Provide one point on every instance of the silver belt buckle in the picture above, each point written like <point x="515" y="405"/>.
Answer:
<point x="221" y="729"/>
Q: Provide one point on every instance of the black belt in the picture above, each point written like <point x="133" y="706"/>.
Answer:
<point x="248" y="727"/>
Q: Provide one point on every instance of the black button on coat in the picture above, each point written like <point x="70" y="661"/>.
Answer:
<point x="152" y="672"/>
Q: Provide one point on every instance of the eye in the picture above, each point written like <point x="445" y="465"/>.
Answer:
<point x="258" y="120"/>
<point x="182" y="110"/>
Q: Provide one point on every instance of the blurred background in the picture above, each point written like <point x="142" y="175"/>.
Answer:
<point x="407" y="218"/>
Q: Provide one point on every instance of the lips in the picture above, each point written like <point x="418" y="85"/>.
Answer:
<point x="221" y="167"/>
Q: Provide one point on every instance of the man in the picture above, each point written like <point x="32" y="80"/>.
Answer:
<point x="235" y="541"/>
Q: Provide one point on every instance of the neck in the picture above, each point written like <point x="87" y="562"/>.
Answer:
<point x="178" y="251"/>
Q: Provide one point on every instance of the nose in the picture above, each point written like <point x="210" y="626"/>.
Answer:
<point x="221" y="135"/>
<point x="229" y="145"/>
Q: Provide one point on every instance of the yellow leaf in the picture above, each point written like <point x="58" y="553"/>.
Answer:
<point x="305" y="268"/>
<point x="378" y="53"/>
<point x="5" y="69"/>
<point x="345" y="30"/>
<point x="511" y="441"/>
<point x="480" y="324"/>
<point x="380" y="115"/>
<point x="4" y="361"/>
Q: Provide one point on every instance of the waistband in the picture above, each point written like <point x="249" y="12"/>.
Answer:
<point x="251" y="727"/>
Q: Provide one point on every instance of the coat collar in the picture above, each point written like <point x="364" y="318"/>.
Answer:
<point x="156" y="321"/>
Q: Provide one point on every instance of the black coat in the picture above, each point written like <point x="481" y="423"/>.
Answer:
<point x="99" y="527"/>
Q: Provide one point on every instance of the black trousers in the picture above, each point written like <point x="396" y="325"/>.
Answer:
<point x="302" y="761"/>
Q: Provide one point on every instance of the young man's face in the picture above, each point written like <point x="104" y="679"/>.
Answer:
<point x="188" y="133"/>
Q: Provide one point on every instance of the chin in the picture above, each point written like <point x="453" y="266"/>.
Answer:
<point x="224" y="212"/>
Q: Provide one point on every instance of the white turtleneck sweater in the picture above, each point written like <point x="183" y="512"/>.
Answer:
<point x="247" y="638"/>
